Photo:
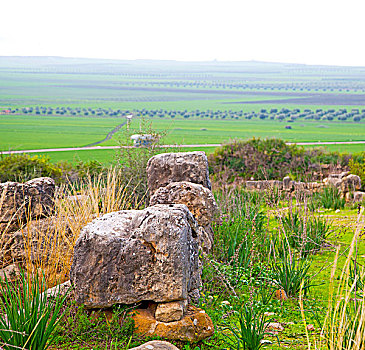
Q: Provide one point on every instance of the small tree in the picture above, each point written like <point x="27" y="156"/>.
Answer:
<point x="133" y="160"/>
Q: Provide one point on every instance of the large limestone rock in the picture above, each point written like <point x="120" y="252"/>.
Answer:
<point x="196" y="325"/>
<point x="21" y="201"/>
<point x="199" y="200"/>
<point x="137" y="255"/>
<point x="165" y="168"/>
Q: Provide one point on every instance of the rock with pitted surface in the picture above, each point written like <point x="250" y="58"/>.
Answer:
<point x="199" y="200"/>
<point x="165" y="168"/>
<point x="40" y="194"/>
<point x="21" y="201"/>
<point x="137" y="255"/>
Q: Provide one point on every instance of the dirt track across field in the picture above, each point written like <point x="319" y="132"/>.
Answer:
<point x="171" y="146"/>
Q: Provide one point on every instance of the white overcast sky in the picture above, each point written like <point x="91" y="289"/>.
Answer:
<point x="305" y="31"/>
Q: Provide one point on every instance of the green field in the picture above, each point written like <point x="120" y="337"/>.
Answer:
<point x="169" y="86"/>
<point x="33" y="132"/>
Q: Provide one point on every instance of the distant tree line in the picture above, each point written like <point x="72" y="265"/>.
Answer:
<point x="283" y="114"/>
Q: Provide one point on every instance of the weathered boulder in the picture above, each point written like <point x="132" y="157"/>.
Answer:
<point x="196" y="325"/>
<point x="333" y="180"/>
<point x="165" y="168"/>
<point x="199" y="200"/>
<point x="137" y="255"/>
<point x="350" y="183"/>
<point x="355" y="197"/>
<point x="287" y="183"/>
<point x="156" y="345"/>
<point x="40" y="194"/>
<point x="21" y="201"/>
<point x="359" y="196"/>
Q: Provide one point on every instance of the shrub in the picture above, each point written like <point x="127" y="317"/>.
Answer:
<point x="270" y="159"/>
<point x="249" y="332"/>
<point x="23" y="167"/>
<point x="133" y="160"/>
<point x="304" y="234"/>
<point x="358" y="168"/>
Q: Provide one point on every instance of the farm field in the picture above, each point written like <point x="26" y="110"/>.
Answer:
<point x="38" y="132"/>
<point x="63" y="102"/>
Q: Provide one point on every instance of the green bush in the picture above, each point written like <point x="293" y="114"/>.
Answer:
<point x="270" y="159"/>
<point x="23" y="167"/>
<point x="291" y="275"/>
<point x="358" y="168"/>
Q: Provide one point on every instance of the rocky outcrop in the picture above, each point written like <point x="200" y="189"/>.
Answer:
<point x="21" y="201"/>
<point x="196" y="325"/>
<point x="136" y="255"/>
<point x="166" y="168"/>
<point x="199" y="200"/>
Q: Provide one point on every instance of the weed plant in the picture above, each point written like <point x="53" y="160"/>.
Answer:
<point x="49" y="243"/>
<point x="292" y="275"/>
<point x="305" y="234"/>
<point x="249" y="332"/>
<point x="27" y="318"/>
<point x="328" y="198"/>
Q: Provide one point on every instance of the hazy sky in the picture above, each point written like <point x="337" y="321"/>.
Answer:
<point x="305" y="31"/>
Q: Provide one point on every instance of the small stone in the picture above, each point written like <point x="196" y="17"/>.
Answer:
<point x="274" y="326"/>
<point x="156" y="345"/>
<point x="173" y="311"/>
<point x="58" y="291"/>
<point x="280" y="295"/>
<point x="337" y="211"/>
<point x="310" y="328"/>
<point x="265" y="341"/>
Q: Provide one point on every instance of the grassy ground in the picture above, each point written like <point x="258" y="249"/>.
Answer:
<point x="221" y="304"/>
